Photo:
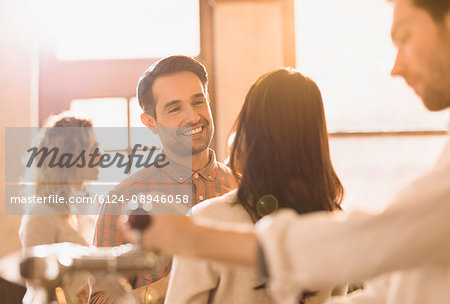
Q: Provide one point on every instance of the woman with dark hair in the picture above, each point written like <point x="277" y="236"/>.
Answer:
<point x="281" y="146"/>
<point x="280" y="156"/>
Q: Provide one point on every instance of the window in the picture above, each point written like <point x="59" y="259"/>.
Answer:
<point x="92" y="53"/>
<point x="118" y="29"/>
<point x="381" y="135"/>
<point x="124" y="29"/>
<point x="98" y="49"/>
<point x="117" y="127"/>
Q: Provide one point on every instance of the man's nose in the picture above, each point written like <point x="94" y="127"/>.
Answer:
<point x="397" y="69"/>
<point x="192" y="116"/>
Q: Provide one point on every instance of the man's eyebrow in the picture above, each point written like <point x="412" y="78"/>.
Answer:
<point x="198" y="95"/>
<point x="171" y="103"/>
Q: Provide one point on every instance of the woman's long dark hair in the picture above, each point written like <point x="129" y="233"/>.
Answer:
<point x="281" y="146"/>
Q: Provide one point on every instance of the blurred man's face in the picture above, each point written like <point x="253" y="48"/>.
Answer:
<point x="423" y="57"/>
<point x="183" y="105"/>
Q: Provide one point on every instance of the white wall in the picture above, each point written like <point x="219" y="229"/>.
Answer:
<point x="248" y="43"/>
<point x="16" y="95"/>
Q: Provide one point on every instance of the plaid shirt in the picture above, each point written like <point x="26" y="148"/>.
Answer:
<point x="213" y="180"/>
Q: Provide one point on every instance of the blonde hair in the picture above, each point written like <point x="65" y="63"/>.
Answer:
<point x="69" y="135"/>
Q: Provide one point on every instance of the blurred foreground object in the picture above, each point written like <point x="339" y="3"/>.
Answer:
<point x="49" y="268"/>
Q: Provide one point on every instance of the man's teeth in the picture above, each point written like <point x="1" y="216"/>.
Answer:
<point x="193" y="131"/>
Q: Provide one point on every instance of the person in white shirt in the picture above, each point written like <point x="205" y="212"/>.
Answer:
<point x="404" y="250"/>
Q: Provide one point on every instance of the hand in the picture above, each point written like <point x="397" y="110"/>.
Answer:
<point x="177" y="234"/>
<point x="170" y="233"/>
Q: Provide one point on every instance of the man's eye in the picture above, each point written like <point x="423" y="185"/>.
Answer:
<point x="199" y="102"/>
<point x="174" y="110"/>
<point x="402" y="38"/>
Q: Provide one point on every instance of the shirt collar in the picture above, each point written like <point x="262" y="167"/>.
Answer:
<point x="209" y="172"/>
<point x="182" y="174"/>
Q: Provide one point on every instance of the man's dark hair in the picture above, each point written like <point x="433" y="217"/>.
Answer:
<point x="166" y="66"/>
<point x="436" y="8"/>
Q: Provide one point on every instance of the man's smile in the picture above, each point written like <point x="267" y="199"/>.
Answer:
<point x="193" y="131"/>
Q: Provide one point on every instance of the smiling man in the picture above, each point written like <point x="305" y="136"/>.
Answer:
<point x="405" y="250"/>
<point x="182" y="115"/>
<point x="421" y="33"/>
<point x="173" y="93"/>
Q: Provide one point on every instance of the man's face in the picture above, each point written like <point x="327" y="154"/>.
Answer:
<point x="182" y="104"/>
<point x="423" y="57"/>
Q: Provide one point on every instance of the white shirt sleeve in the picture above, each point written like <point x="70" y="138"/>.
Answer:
<point x="322" y="249"/>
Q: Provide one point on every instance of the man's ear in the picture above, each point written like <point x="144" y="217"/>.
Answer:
<point x="149" y="121"/>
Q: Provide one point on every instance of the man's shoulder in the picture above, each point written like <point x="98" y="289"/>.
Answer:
<point x="222" y="168"/>
<point x="226" y="178"/>
<point x="226" y="172"/>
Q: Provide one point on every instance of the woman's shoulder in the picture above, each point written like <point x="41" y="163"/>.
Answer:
<point x="32" y="221"/>
<point x="225" y="208"/>
<point x="38" y="229"/>
<point x="225" y="201"/>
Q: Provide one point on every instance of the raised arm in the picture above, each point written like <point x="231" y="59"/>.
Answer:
<point x="319" y="250"/>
